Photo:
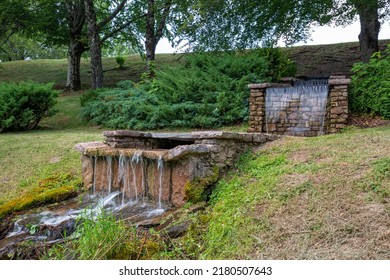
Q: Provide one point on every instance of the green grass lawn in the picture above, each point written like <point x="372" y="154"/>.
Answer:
<point x="27" y="157"/>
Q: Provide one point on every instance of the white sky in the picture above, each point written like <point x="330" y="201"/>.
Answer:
<point x="320" y="35"/>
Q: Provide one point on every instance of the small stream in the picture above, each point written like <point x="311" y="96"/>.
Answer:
<point x="53" y="223"/>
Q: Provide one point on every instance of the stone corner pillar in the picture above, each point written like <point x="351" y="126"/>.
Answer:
<point x="257" y="107"/>
<point x="337" y="104"/>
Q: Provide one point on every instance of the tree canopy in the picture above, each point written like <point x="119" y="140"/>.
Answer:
<point x="232" y="24"/>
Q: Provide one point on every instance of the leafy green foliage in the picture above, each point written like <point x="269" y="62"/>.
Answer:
<point x="23" y="105"/>
<point x="209" y="90"/>
<point x="370" y="91"/>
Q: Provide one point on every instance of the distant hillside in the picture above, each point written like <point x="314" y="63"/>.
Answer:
<point x="312" y="61"/>
<point x="325" y="60"/>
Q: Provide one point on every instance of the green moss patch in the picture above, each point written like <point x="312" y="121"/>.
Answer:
<point x="49" y="190"/>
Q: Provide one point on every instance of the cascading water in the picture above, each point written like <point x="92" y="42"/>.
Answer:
<point x="109" y="173"/>
<point x="160" y="168"/>
<point x="94" y="174"/>
<point x="298" y="110"/>
<point x="121" y="197"/>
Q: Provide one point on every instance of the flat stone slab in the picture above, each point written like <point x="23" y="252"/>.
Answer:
<point x="120" y="136"/>
<point x="127" y="133"/>
<point x="101" y="149"/>
<point x="84" y="147"/>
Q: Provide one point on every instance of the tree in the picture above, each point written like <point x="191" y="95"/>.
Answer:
<point x="19" y="47"/>
<point x="70" y="23"/>
<point x="219" y="24"/>
<point x="153" y="20"/>
<point x="94" y="45"/>
<point x="368" y="12"/>
<point x="95" y="42"/>
<point x="155" y="26"/>
<point x="75" y="20"/>
<point x="14" y="17"/>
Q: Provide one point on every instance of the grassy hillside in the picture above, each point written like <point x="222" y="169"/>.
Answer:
<point x="305" y="198"/>
<point x="318" y="60"/>
<point x="54" y="70"/>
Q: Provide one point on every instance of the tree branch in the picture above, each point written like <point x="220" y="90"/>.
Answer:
<point x="112" y="15"/>
<point x="165" y="14"/>
<point x="116" y="30"/>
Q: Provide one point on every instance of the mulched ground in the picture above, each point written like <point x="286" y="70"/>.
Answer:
<point x="368" y="121"/>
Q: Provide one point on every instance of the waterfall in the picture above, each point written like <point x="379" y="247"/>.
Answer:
<point x="109" y="173"/>
<point x="160" y="168"/>
<point x="297" y="110"/>
<point x="131" y="178"/>
<point x="135" y="160"/>
<point x="123" y="176"/>
<point x="94" y="174"/>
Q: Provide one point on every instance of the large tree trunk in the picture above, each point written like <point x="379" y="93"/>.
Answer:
<point x="150" y="40"/>
<point x="369" y="29"/>
<point x="94" y="44"/>
<point x="76" y="19"/>
<point x="154" y="31"/>
<point x="73" y="80"/>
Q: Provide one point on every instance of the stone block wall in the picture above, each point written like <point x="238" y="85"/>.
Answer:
<point x="288" y="122"/>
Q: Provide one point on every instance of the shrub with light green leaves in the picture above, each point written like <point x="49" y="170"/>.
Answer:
<point x="370" y="87"/>
<point x="24" y="104"/>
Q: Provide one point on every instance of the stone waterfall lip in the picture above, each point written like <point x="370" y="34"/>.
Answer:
<point x="199" y="142"/>
<point x="101" y="149"/>
<point x="191" y="136"/>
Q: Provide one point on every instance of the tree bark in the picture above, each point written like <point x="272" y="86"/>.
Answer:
<point x="153" y="34"/>
<point x="76" y="20"/>
<point x="94" y="45"/>
<point x="369" y="29"/>
<point x="73" y="81"/>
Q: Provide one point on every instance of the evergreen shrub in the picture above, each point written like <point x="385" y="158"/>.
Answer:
<point x="208" y="90"/>
<point x="24" y="104"/>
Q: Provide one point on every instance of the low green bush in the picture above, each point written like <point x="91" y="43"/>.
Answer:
<point x="208" y="90"/>
<point x="120" y="60"/>
<point x="24" y="104"/>
<point x="370" y="86"/>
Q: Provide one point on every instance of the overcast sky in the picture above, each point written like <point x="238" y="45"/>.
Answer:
<point x="321" y="35"/>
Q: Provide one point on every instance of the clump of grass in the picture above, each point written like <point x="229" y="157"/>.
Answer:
<point x="105" y="238"/>
<point x="49" y="190"/>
